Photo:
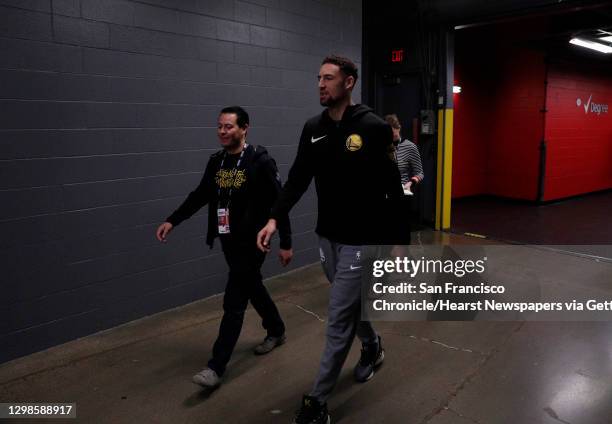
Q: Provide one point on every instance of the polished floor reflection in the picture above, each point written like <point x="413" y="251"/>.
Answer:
<point x="583" y="220"/>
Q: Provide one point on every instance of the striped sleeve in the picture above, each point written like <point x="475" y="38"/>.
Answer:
<point x="409" y="161"/>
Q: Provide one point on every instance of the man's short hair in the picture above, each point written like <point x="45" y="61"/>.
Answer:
<point x="346" y="65"/>
<point x="393" y="120"/>
<point x="242" y="117"/>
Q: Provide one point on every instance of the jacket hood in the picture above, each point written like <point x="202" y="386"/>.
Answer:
<point x="351" y="113"/>
<point x="355" y="111"/>
<point x="259" y="151"/>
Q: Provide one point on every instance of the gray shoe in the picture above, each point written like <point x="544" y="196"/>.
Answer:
<point x="269" y="344"/>
<point x="207" y="378"/>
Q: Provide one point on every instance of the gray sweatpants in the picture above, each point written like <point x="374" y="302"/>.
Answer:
<point x="342" y="265"/>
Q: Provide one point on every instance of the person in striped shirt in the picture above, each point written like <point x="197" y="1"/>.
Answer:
<point x="406" y="155"/>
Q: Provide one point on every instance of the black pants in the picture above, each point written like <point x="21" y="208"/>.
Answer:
<point x="244" y="283"/>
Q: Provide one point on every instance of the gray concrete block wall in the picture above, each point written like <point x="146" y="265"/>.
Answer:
<point x="107" y="117"/>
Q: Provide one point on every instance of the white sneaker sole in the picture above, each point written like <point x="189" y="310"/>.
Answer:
<point x="378" y="362"/>
<point x="196" y="379"/>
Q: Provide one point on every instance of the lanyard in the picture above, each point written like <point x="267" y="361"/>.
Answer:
<point x="231" y="187"/>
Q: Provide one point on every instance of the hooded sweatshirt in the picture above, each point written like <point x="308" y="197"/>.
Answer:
<point x="248" y="191"/>
<point x="357" y="183"/>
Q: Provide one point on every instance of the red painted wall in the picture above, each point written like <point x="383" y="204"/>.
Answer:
<point x="579" y="142"/>
<point x="472" y="123"/>
<point x="517" y="125"/>
<point x="498" y="123"/>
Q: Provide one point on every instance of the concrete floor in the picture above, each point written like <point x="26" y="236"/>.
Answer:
<point x="434" y="372"/>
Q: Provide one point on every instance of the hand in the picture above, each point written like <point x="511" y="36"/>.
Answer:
<point x="408" y="185"/>
<point x="163" y="231"/>
<point x="284" y="256"/>
<point x="263" y="237"/>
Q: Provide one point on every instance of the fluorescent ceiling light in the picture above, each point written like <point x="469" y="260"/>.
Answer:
<point x="591" y="45"/>
<point x="456" y="89"/>
<point x="607" y="38"/>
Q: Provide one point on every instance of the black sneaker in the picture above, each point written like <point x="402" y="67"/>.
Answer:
<point x="312" y="412"/>
<point x="371" y="357"/>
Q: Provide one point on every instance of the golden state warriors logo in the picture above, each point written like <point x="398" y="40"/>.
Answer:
<point x="354" y="142"/>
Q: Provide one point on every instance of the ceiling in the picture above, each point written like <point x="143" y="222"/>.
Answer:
<point x="557" y="21"/>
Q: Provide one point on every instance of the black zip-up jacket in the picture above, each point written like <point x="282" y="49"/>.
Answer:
<point x="358" y="185"/>
<point x="250" y="205"/>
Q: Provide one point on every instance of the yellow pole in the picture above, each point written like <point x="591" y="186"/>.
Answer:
<point x="440" y="168"/>
<point x="444" y="169"/>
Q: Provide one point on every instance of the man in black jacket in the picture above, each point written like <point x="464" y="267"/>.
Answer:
<point x="240" y="185"/>
<point x="347" y="149"/>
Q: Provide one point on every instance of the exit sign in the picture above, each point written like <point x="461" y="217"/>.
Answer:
<point x="397" y="55"/>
